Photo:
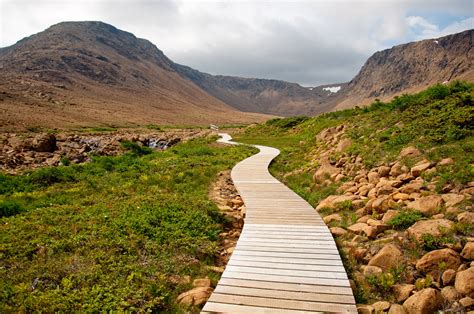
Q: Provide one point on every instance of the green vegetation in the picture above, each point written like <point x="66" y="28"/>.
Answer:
<point x="405" y="219"/>
<point x="119" y="233"/>
<point x="439" y="120"/>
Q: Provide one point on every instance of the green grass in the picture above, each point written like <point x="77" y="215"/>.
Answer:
<point x="113" y="234"/>
<point x="405" y="218"/>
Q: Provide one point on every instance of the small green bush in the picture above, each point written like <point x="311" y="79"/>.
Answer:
<point x="405" y="219"/>
<point x="10" y="208"/>
<point x="286" y="123"/>
<point x="431" y="242"/>
<point x="136" y="149"/>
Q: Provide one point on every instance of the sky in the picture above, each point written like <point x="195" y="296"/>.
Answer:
<point x="310" y="42"/>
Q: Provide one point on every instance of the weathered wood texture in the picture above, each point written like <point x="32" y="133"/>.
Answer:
<point x="286" y="260"/>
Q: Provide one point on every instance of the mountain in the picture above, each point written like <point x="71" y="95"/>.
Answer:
<point x="90" y="73"/>
<point x="263" y="95"/>
<point x="410" y="68"/>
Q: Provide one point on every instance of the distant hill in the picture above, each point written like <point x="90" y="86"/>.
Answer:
<point x="90" y="73"/>
<point x="410" y="68"/>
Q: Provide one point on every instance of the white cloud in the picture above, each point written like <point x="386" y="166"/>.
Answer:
<point x="311" y="42"/>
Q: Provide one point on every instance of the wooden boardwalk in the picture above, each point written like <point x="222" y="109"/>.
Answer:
<point x="286" y="260"/>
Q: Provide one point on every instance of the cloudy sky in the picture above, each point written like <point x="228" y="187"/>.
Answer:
<point x="310" y="42"/>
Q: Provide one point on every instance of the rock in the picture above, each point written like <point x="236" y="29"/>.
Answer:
<point x="426" y="301"/>
<point x="436" y="227"/>
<point x="337" y="231"/>
<point x="196" y="296"/>
<point x="438" y="216"/>
<point x="466" y="302"/>
<point x="332" y="200"/>
<point x="448" y="277"/>
<point x="464" y="282"/>
<point x="450" y="294"/>
<point x="383" y="171"/>
<point x="466" y="217"/>
<point x="400" y="197"/>
<point x="430" y="261"/>
<point x="446" y="162"/>
<point x="202" y="282"/>
<point x="378" y="225"/>
<point x="325" y="171"/>
<point x="361" y="228"/>
<point x="365" y="309"/>
<point x="364" y="219"/>
<point x="409" y="152"/>
<point x="468" y="251"/>
<point x="402" y="291"/>
<point x="383" y="204"/>
<point x="344" y="144"/>
<point x="330" y="218"/>
<point x="381" y="306"/>
<point x="373" y="177"/>
<point x="368" y="270"/>
<point x="428" y="205"/>
<point x="389" y="215"/>
<point x="44" y="143"/>
<point x="385" y="190"/>
<point x="413" y="187"/>
<point x="396" y="170"/>
<point x="452" y="199"/>
<point x="359" y="254"/>
<point x="396" y="309"/>
<point x="417" y="170"/>
<point x="388" y="257"/>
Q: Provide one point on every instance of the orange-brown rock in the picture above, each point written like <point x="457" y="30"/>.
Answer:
<point x="431" y="261"/>
<point x="426" y="301"/>
<point x="388" y="257"/>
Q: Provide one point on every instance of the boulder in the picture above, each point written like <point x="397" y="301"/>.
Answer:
<point x="344" y="144"/>
<point x="448" y="277"/>
<point x="337" y="231"/>
<point x="383" y="171"/>
<point x="378" y="225"/>
<point x="464" y="282"/>
<point x="435" y="227"/>
<point x="396" y="309"/>
<point x="410" y="152"/>
<point x="389" y="215"/>
<point x="468" y="251"/>
<point x="196" y="296"/>
<point x="333" y="217"/>
<point x="381" y="306"/>
<point x="450" y="294"/>
<point x="388" y="257"/>
<point x="400" y="196"/>
<point x="417" y="170"/>
<point x="202" y="282"/>
<point x="427" y="205"/>
<point x="466" y="217"/>
<point x="446" y="162"/>
<point x="325" y="171"/>
<point x="365" y="309"/>
<point x="452" y="199"/>
<point x="332" y="200"/>
<point x="467" y="302"/>
<point x="430" y="261"/>
<point x="363" y="228"/>
<point x="368" y="270"/>
<point x="396" y="170"/>
<point x="373" y="177"/>
<point x="402" y="292"/>
<point x="413" y="187"/>
<point x="44" y="143"/>
<point x="426" y="301"/>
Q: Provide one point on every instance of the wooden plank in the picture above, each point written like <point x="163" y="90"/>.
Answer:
<point x="286" y="254"/>
<point x="291" y="260"/>
<point x="215" y="307"/>
<point x="288" y="279"/>
<point x="287" y="272"/>
<point x="282" y="286"/>
<point x="247" y="248"/>
<point x="286" y="242"/>
<point x="253" y="263"/>
<point x="286" y="295"/>
<point x="282" y="304"/>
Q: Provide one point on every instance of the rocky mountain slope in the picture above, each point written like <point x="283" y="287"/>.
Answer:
<point x="410" y="68"/>
<point x="90" y="73"/>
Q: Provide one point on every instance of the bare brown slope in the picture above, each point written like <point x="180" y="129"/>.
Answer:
<point x="263" y="95"/>
<point x="90" y="73"/>
<point x="410" y="68"/>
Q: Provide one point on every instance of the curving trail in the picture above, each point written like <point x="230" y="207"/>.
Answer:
<point x="286" y="260"/>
